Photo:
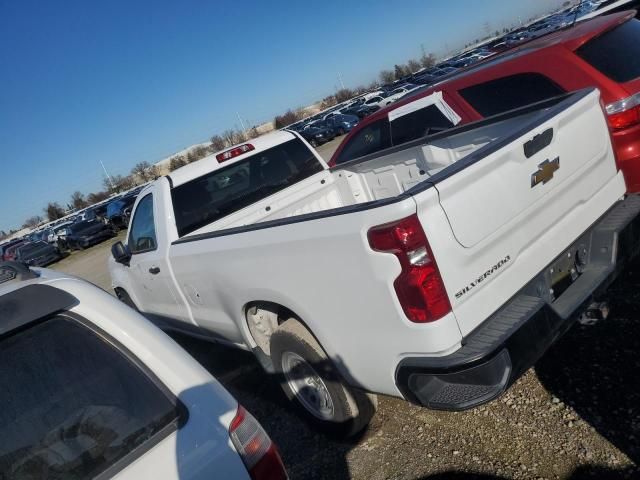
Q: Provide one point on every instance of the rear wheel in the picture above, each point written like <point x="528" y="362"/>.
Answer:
<point x="309" y="378"/>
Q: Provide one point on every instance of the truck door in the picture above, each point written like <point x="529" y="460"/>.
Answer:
<point x="153" y="287"/>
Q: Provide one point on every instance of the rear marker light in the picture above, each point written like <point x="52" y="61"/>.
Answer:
<point x="234" y="152"/>
<point x="419" y="286"/>
<point x="624" y="113"/>
<point x="258" y="452"/>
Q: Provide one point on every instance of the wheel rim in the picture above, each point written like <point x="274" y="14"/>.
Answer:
<point x="308" y="386"/>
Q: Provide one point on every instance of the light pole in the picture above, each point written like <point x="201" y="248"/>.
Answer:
<point x="107" y="174"/>
<point x="244" y="128"/>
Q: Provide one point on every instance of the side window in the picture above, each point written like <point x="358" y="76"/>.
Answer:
<point x="83" y="414"/>
<point x="424" y="121"/>
<point x="504" y="94"/>
<point x="615" y="53"/>
<point x="142" y="236"/>
<point x="370" y="139"/>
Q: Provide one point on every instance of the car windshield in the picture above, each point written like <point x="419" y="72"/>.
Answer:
<point x="30" y="248"/>
<point x="114" y="208"/>
<point x="78" y="413"/>
<point x="13" y="248"/>
<point x="82" y="226"/>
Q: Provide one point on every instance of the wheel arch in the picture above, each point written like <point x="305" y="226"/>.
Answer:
<point x="283" y="312"/>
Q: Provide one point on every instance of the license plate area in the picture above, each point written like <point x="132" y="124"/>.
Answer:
<point x="567" y="268"/>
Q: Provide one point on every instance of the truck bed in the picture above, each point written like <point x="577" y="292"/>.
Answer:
<point x="382" y="175"/>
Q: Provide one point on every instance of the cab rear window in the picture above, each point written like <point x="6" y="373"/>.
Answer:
<point x="417" y="124"/>
<point x="508" y="93"/>
<point x="222" y="192"/>
<point x="73" y="405"/>
<point x="615" y="53"/>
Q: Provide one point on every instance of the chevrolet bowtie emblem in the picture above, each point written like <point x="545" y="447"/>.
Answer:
<point x="545" y="171"/>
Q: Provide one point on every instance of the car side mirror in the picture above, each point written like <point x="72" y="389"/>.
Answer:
<point x="121" y="253"/>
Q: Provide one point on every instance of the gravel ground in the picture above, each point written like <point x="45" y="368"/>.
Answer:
<point x="575" y="415"/>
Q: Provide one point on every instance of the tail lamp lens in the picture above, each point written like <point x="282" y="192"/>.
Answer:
<point x="419" y="287"/>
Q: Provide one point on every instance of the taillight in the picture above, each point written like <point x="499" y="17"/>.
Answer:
<point x="419" y="286"/>
<point x="234" y="152"/>
<point x="624" y="113"/>
<point x="256" y="449"/>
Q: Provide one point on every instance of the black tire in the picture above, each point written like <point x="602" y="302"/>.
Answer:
<point x="124" y="297"/>
<point x="341" y="131"/>
<point x="313" y="143"/>
<point x="352" y="409"/>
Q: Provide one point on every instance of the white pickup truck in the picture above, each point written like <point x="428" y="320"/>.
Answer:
<point x="438" y="270"/>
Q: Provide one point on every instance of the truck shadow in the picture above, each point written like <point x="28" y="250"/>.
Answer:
<point x="305" y="452"/>
<point x="596" y="369"/>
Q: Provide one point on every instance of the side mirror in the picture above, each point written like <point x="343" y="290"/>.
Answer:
<point x="121" y="253"/>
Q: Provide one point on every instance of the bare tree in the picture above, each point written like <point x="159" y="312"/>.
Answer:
<point x="197" y="153"/>
<point x="54" y="211"/>
<point x="231" y="137"/>
<point x="400" y="71"/>
<point x="200" y="152"/>
<point x="109" y="184"/>
<point x="78" y="201"/>
<point x="118" y="183"/>
<point x="287" y="118"/>
<point x="145" y="171"/>
<point x="328" y="102"/>
<point x="217" y="143"/>
<point x="252" y="133"/>
<point x="176" y="162"/>
<point x="32" y="222"/>
<point x="428" y="60"/>
<point x="387" y="76"/>
<point x="413" y="66"/>
<point x="97" y="197"/>
<point x="344" y="94"/>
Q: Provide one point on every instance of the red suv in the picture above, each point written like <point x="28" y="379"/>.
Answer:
<point x="603" y="52"/>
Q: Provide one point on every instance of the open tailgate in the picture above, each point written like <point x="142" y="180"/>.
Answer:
<point x="517" y="203"/>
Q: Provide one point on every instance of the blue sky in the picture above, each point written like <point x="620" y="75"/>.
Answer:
<point x="123" y="82"/>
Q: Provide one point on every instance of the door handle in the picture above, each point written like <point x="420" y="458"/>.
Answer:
<point x="154" y="270"/>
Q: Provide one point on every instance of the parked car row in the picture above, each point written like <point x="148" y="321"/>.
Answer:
<point x="427" y="76"/>
<point x="341" y="118"/>
<point x="79" y="231"/>
<point x="37" y="254"/>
